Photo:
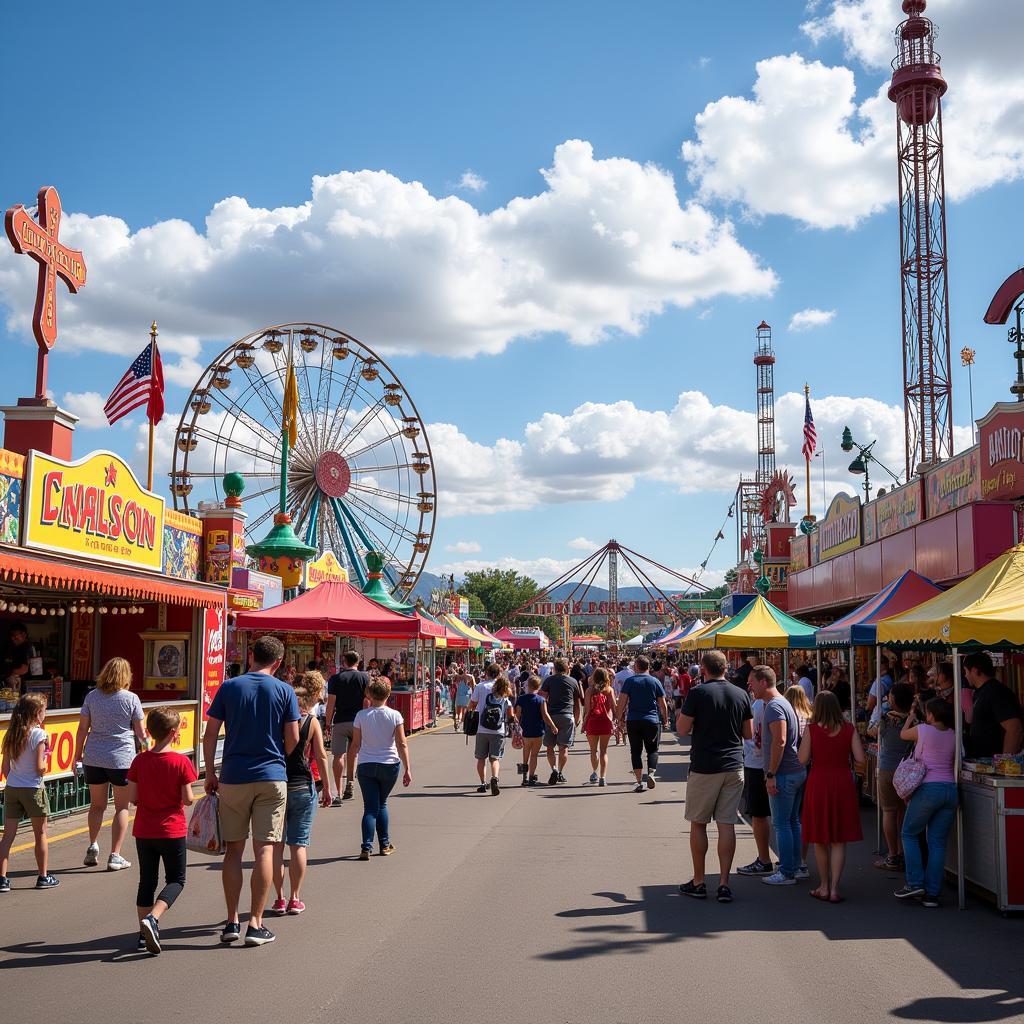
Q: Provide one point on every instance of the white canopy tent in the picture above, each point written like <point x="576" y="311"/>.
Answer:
<point x="637" y="641"/>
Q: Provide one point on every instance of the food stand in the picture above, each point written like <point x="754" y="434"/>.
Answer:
<point x="984" y="612"/>
<point x="340" y="612"/>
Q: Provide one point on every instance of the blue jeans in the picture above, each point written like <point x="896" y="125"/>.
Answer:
<point x="786" y="819"/>
<point x="376" y="781"/>
<point x="932" y="810"/>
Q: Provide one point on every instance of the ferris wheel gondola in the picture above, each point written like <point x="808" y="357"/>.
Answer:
<point x="360" y="477"/>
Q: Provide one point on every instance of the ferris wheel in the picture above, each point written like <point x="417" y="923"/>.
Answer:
<point x="361" y="474"/>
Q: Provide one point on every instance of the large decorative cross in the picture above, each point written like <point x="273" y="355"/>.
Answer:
<point x="40" y="241"/>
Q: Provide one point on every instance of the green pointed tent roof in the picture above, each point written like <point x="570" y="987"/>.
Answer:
<point x="375" y="588"/>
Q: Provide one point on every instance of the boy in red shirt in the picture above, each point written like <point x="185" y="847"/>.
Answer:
<point x="160" y="785"/>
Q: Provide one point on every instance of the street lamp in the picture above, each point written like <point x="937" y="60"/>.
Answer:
<point x="967" y="359"/>
<point x="862" y="461"/>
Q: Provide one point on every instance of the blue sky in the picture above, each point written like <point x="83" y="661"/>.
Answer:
<point x="160" y="113"/>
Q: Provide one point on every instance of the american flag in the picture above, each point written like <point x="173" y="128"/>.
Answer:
<point x="143" y="384"/>
<point x="810" y="434"/>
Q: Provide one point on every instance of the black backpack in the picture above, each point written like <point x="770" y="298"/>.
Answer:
<point x="494" y="713"/>
<point x="471" y="722"/>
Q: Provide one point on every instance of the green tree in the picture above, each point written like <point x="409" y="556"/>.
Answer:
<point x="502" y="591"/>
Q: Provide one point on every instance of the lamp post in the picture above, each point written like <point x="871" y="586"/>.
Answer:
<point x="967" y="359"/>
<point x="863" y="459"/>
<point x="820" y="454"/>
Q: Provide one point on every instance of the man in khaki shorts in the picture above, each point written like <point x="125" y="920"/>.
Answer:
<point x="718" y="716"/>
<point x="260" y="715"/>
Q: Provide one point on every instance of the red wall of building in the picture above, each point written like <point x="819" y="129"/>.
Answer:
<point x="945" y="549"/>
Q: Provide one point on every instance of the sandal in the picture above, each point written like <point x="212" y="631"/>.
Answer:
<point x="889" y="863"/>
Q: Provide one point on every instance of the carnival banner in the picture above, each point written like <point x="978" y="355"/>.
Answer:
<point x="839" y="531"/>
<point x="954" y="483"/>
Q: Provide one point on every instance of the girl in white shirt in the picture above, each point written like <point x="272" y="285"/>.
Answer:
<point x="25" y="752"/>
<point x="378" y="738"/>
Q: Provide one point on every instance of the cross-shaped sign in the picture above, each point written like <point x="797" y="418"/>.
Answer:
<point x="40" y="241"/>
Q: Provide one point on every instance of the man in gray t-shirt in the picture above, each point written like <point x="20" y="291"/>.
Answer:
<point x="784" y="775"/>
<point x="565" y="704"/>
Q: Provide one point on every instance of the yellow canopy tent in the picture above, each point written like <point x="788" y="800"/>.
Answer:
<point x="700" y="640"/>
<point x="984" y="610"/>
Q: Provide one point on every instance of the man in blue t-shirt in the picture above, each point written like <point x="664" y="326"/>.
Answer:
<point x="260" y="715"/>
<point x="643" y="707"/>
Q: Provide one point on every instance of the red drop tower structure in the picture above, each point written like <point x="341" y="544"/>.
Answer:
<point x="917" y="88"/>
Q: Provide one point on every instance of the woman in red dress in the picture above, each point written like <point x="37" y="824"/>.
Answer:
<point x="831" y="815"/>
<point x="598" y="722"/>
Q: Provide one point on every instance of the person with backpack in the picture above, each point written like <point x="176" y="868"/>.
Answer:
<point x="531" y="712"/>
<point x="491" y="702"/>
<point x="300" y="808"/>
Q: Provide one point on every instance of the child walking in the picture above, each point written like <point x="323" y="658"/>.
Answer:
<point x="160" y="785"/>
<point x="300" y="809"/>
<point x="25" y="751"/>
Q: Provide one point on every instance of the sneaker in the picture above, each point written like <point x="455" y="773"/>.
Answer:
<point x="258" y="936"/>
<point x="5" y="884"/>
<point x="561" y="777"/>
<point x="778" y="879"/>
<point x="494" y="786"/>
<point x="279" y="906"/>
<point x="92" y="855"/>
<point x="140" y="946"/>
<point x="643" y="778"/>
<point x="348" y="794"/>
<point x="909" y="892"/>
<point x="482" y="788"/>
<point x="593" y="777"/>
<point x="115" y="862"/>
<point x="724" y="894"/>
<point x="336" y="802"/>
<point x="295" y="906"/>
<point x="526" y="781"/>
<point x="697" y="892"/>
<point x="47" y="882"/>
<point x="552" y="778"/>
<point x="533" y="781"/>
<point x="386" y="850"/>
<point x="150" y="933"/>
<point x="803" y="871"/>
<point x="756" y="867"/>
<point x="230" y="932"/>
<point x="601" y="783"/>
<point x="640" y="788"/>
<point x="929" y="901"/>
<point x="651" y="782"/>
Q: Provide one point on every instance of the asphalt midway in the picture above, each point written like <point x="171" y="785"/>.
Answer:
<point x="542" y="905"/>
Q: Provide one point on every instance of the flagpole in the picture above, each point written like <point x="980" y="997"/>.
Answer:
<point x="807" y="458"/>
<point x="152" y="370"/>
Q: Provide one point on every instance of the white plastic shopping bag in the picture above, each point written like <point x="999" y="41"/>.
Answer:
<point x="204" y="827"/>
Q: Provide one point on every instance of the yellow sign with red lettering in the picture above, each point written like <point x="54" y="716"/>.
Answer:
<point x="62" y="730"/>
<point x="326" y="569"/>
<point x="95" y="508"/>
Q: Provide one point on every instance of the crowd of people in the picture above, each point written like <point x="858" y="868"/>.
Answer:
<point x="780" y="755"/>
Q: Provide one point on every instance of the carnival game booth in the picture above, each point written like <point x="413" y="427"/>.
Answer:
<point x="95" y="566"/>
<point x="340" y="614"/>
<point x="524" y="639"/>
<point x="984" y="612"/>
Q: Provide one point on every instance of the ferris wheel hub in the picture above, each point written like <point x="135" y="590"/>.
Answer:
<point x="333" y="475"/>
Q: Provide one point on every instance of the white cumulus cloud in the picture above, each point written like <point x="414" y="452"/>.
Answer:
<point x="472" y="182"/>
<point x="464" y="547"/>
<point x="87" y="406"/>
<point x="583" y="544"/>
<point x="808" y="319"/>
<point x="603" y="246"/>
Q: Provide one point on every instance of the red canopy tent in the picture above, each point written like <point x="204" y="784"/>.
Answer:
<point x="336" y="608"/>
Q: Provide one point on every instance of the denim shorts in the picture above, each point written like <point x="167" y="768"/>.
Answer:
<point x="298" y="817"/>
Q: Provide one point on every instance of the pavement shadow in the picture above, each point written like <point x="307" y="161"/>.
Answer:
<point x="970" y="947"/>
<point x="107" y="949"/>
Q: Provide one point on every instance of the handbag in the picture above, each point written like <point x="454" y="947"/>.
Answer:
<point x="517" y="736"/>
<point x="204" y="834"/>
<point x="908" y="776"/>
